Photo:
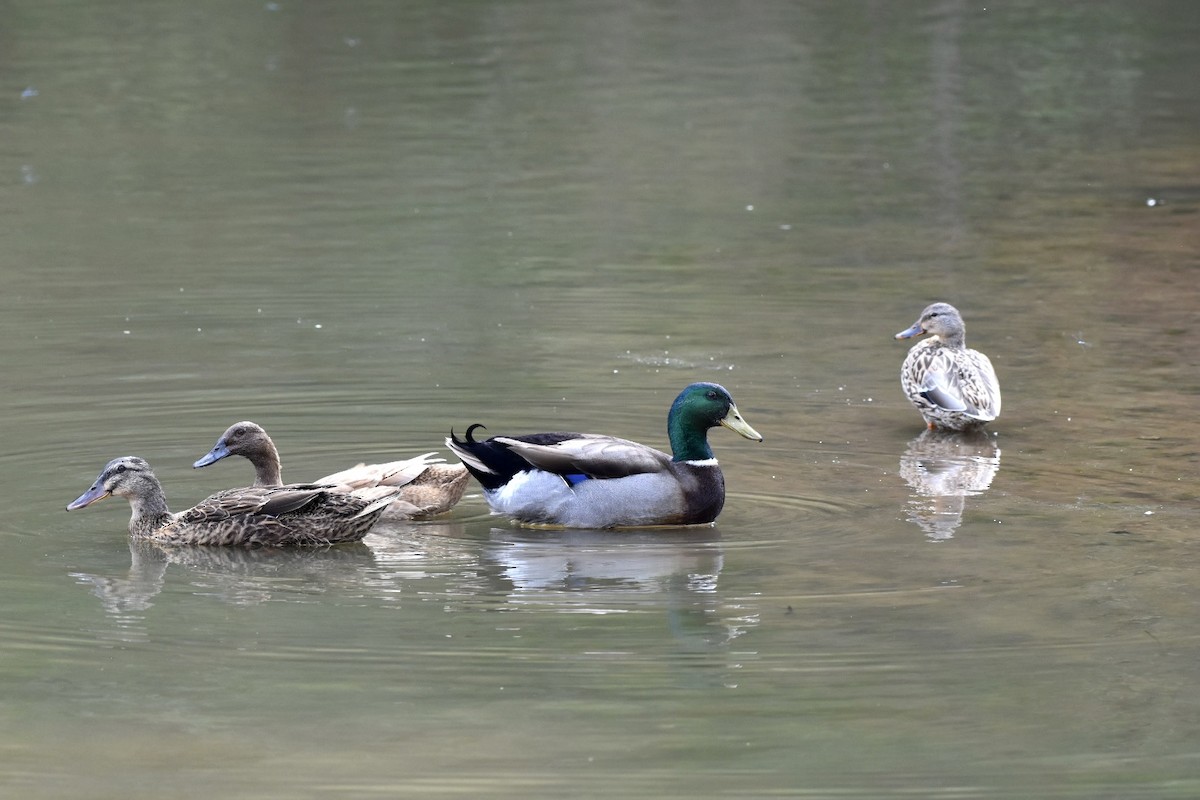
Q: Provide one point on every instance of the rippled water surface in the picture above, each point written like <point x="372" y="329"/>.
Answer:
<point x="363" y="224"/>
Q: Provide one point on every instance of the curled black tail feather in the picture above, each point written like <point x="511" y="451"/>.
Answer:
<point x="491" y="462"/>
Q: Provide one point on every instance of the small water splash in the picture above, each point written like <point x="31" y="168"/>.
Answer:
<point x="668" y="361"/>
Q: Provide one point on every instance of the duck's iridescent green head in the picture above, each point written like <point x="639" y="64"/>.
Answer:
<point x="699" y="407"/>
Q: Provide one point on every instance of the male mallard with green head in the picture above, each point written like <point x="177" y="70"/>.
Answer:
<point x="587" y="480"/>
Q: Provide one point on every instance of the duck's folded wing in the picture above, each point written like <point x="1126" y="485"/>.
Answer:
<point x="392" y="473"/>
<point x="240" y="502"/>
<point x="941" y="389"/>
<point x="982" y="391"/>
<point x="283" y="502"/>
<point x="593" y="455"/>
<point x="968" y="387"/>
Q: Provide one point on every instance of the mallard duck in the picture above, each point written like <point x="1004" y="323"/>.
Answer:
<point x="587" y="480"/>
<point x="253" y="517"/>
<point x="953" y="386"/>
<point x="428" y="486"/>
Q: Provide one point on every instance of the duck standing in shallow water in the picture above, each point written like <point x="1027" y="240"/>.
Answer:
<point x="427" y="486"/>
<point x="588" y="480"/>
<point x="252" y="517"/>
<point x="953" y="386"/>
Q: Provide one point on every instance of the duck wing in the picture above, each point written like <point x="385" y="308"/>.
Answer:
<point x="590" y="454"/>
<point x="266" y="501"/>
<point x="392" y="473"/>
<point x="966" y="384"/>
<point x="941" y="389"/>
<point x="979" y="386"/>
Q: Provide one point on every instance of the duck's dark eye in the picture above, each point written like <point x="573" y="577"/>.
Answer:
<point x="711" y="395"/>
<point x="238" y="431"/>
<point x="121" y="468"/>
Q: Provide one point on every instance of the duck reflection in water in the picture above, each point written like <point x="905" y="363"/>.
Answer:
<point x="240" y="576"/>
<point x="599" y="572"/>
<point x="943" y="468"/>
<point x="126" y="598"/>
<point x="377" y="567"/>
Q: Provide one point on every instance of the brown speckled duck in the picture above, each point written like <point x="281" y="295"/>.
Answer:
<point x="953" y="386"/>
<point x="282" y="516"/>
<point x="427" y="486"/>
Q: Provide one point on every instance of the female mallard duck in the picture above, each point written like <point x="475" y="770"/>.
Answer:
<point x="953" y="386"/>
<point x="427" y="485"/>
<point x="586" y="480"/>
<point x="251" y="517"/>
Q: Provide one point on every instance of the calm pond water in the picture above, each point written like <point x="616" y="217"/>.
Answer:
<point x="363" y="224"/>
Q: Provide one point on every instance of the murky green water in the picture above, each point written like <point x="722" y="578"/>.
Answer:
<point x="362" y="224"/>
